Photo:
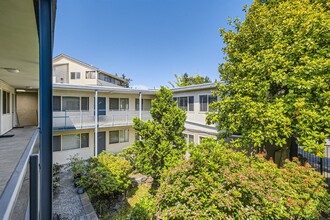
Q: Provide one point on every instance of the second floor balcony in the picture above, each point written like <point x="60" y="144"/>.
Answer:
<point x="70" y="120"/>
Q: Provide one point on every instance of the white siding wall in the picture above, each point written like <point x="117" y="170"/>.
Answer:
<point x="74" y="67"/>
<point x="196" y="120"/>
<point x="6" y="120"/>
<point x="62" y="157"/>
<point x="195" y="116"/>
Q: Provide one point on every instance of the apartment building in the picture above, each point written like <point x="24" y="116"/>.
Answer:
<point x="77" y="119"/>
<point x="195" y="100"/>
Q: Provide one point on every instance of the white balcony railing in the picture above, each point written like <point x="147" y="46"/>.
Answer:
<point x="79" y="120"/>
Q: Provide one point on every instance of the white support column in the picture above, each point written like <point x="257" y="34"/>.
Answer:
<point x="140" y="105"/>
<point x="96" y="114"/>
<point x="140" y="109"/>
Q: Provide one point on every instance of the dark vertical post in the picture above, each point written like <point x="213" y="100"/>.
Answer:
<point x="46" y="118"/>
<point x="34" y="185"/>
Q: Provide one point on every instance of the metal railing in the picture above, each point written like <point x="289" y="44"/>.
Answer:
<point x="79" y="120"/>
<point x="321" y="164"/>
<point x="14" y="185"/>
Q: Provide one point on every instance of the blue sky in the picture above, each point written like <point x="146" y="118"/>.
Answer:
<point x="147" y="40"/>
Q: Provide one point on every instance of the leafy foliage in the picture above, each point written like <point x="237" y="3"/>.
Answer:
<point x="77" y="166"/>
<point x="219" y="183"/>
<point x="186" y="80"/>
<point x="106" y="176"/>
<point x="162" y="142"/>
<point x="144" y="209"/>
<point x="277" y="75"/>
<point x="128" y="81"/>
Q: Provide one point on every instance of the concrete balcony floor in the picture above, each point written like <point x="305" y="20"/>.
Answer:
<point x="11" y="150"/>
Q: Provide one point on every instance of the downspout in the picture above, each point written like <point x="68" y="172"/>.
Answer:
<point x="96" y="121"/>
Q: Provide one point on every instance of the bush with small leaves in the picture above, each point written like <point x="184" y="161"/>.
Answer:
<point x="106" y="175"/>
<point x="219" y="183"/>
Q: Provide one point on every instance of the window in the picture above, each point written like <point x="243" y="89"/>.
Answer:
<point x="71" y="103"/>
<point x="85" y="103"/>
<point x="123" y="136"/>
<point x="212" y="99"/>
<point x="56" y="143"/>
<point x="120" y="136"/>
<point x="124" y="104"/>
<point x="191" y="103"/>
<point x="75" y="75"/>
<point x="84" y="140"/>
<point x="146" y="104"/>
<point x="190" y="138"/>
<point x="118" y="104"/>
<point x="56" y="103"/>
<point x="114" y="137"/>
<point x="5" y="102"/>
<point x="201" y="139"/>
<point x="109" y="79"/>
<point x="90" y="75"/>
<point x="183" y="103"/>
<point x="114" y="103"/>
<point x="71" y="141"/>
<point x="203" y="103"/>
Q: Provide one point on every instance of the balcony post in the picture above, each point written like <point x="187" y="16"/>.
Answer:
<point x="140" y="109"/>
<point x="96" y="121"/>
<point x="140" y="105"/>
<point x="45" y="27"/>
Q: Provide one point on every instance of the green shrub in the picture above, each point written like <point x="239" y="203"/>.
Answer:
<point x="106" y="175"/>
<point x="77" y="166"/>
<point x="144" y="209"/>
<point x="218" y="183"/>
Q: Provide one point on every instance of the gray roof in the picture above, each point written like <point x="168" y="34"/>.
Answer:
<point x="195" y="87"/>
<point x="114" y="89"/>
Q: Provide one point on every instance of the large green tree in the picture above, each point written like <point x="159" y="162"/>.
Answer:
<point x="186" y="80"/>
<point x="162" y="142"/>
<point x="277" y="74"/>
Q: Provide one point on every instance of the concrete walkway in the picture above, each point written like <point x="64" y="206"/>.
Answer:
<point x="11" y="150"/>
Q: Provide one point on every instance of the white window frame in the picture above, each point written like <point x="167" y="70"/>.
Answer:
<point x="75" y="74"/>
<point x="80" y="135"/>
<point x="120" y="133"/>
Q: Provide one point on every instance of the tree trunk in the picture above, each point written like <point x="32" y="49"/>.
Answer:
<point x="280" y="154"/>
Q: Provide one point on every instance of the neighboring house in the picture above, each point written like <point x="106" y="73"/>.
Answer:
<point x="71" y="71"/>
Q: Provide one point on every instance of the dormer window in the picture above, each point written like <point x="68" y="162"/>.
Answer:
<point x="75" y="75"/>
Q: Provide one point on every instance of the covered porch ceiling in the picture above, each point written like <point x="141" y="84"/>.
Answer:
<point x="19" y="47"/>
